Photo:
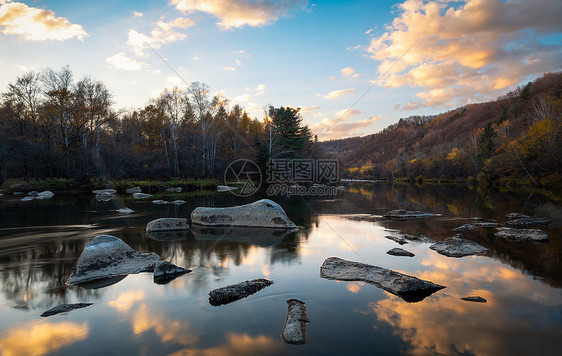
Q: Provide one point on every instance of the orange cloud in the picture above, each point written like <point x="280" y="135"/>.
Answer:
<point x="336" y="94"/>
<point x="41" y="339"/>
<point x="237" y="344"/>
<point x="342" y="127"/>
<point x="164" y="32"/>
<point x="456" y="51"/>
<point x="36" y="24"/>
<point x="240" y="13"/>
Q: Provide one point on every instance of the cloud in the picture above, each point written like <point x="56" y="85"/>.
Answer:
<point x="260" y="89"/>
<point x="349" y="72"/>
<point x="229" y="69"/>
<point x="121" y="61"/>
<point x="309" y="109"/>
<point x="336" y="94"/>
<point x="454" y="51"/>
<point x="195" y="58"/>
<point x="164" y="32"/>
<point x="240" y="13"/>
<point x="37" y="24"/>
<point x="341" y="126"/>
<point x="137" y="14"/>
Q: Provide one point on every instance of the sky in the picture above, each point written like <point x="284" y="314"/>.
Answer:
<point x="354" y="67"/>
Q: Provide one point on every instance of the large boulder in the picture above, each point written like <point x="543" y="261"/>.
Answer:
<point x="294" y="330"/>
<point x="458" y="246"/>
<point x="108" y="256"/>
<point x="167" y="224"/>
<point x="262" y="213"/>
<point x="406" y="214"/>
<point x="522" y="234"/>
<point x="409" y="288"/>
<point x="234" y="292"/>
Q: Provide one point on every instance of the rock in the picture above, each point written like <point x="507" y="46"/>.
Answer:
<point x="409" y="288"/>
<point x="522" y="234"/>
<point x="458" y="246"/>
<point x="257" y="236"/>
<point x="512" y="216"/>
<point x="177" y="202"/>
<point x="1" y="195"/>
<point x="18" y="193"/>
<point x="159" y="202"/>
<point x="225" y="188"/>
<point x="400" y="252"/>
<point x="465" y="227"/>
<point x="398" y="239"/>
<point x="477" y="218"/>
<point x="133" y="190"/>
<point x="528" y="222"/>
<point x="475" y="299"/>
<point x="104" y="197"/>
<point x="165" y="272"/>
<point x="405" y="214"/>
<point x="234" y="292"/>
<point x="294" y="330"/>
<point x="421" y="238"/>
<point x="371" y="218"/>
<point x="141" y="195"/>
<point x="167" y="224"/>
<point x="63" y="308"/>
<point x="104" y="191"/>
<point x="107" y="256"/>
<point x="33" y="193"/>
<point x="27" y="198"/>
<point x="125" y="211"/>
<point x="340" y="187"/>
<point x="262" y="213"/>
<point x="47" y="194"/>
<point x="488" y="224"/>
<point x="174" y="190"/>
<point x="168" y="235"/>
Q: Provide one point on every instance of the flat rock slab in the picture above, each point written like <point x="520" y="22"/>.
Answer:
<point x="225" y="188"/>
<point x="528" y="222"/>
<point x="465" y="227"/>
<point x="521" y="234"/>
<point x="294" y="330"/>
<point x="63" y="308"/>
<point x="234" y="292"/>
<point x="398" y="239"/>
<point x="167" y="224"/>
<point x="406" y="214"/>
<point x="458" y="246"/>
<point x="165" y="272"/>
<point x="475" y="299"/>
<point x="125" y="211"/>
<point x="104" y="191"/>
<point x="174" y="190"/>
<point x="107" y="256"/>
<point x="363" y="217"/>
<point x="141" y="195"/>
<point x="400" y="252"/>
<point x="262" y="213"/>
<point x="512" y="216"/>
<point x="409" y="288"/>
<point x="133" y="190"/>
<point x="488" y="224"/>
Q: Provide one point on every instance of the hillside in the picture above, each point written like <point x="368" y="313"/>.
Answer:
<point x="517" y="135"/>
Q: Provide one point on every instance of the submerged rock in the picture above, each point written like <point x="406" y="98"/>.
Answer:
<point x="399" y="239"/>
<point x="133" y="190"/>
<point x="27" y="198"/>
<point x="521" y="234"/>
<point x="162" y="202"/>
<point x="125" y="211"/>
<point x="262" y="213"/>
<point x="167" y="224"/>
<point x="406" y="214"/>
<point x="225" y="188"/>
<point x="104" y="191"/>
<point x="409" y="288"/>
<point x="476" y="299"/>
<point x="234" y="292"/>
<point x="400" y="252"/>
<point x="174" y="190"/>
<point x="141" y="195"/>
<point x="165" y="272"/>
<point x="528" y="222"/>
<point x="104" y="197"/>
<point x="294" y="330"/>
<point x="108" y="256"/>
<point x="63" y="308"/>
<point x="458" y="246"/>
<point x="47" y="194"/>
<point x="465" y="227"/>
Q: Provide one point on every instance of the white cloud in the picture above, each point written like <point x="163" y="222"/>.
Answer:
<point x="238" y="63"/>
<point x="37" y="24"/>
<point x="137" y="14"/>
<point x="195" y="58"/>
<point x="336" y="94"/>
<point x="474" y="47"/>
<point x="329" y="129"/>
<point x="163" y="32"/>
<point x="260" y="89"/>
<point x="229" y="69"/>
<point x="240" y="13"/>
<point x="347" y="71"/>
<point x="121" y="61"/>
